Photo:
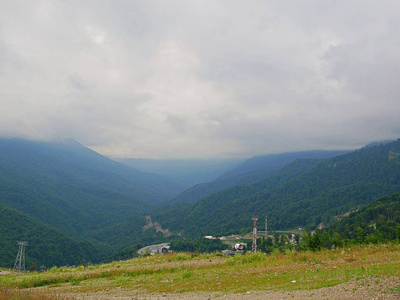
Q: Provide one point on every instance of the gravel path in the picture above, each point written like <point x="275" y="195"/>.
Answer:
<point x="362" y="289"/>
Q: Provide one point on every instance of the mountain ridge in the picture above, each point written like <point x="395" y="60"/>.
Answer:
<point x="334" y="186"/>
<point x="251" y="170"/>
<point x="74" y="188"/>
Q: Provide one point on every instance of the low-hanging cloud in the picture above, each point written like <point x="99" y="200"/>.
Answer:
<point x="200" y="79"/>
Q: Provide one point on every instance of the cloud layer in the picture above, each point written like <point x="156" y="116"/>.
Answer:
<point x="200" y="79"/>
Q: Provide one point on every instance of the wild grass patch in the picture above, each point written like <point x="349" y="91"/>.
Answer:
<point x="212" y="273"/>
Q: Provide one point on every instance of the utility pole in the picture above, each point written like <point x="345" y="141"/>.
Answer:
<point x="254" y="246"/>
<point x="20" y="260"/>
<point x="266" y="226"/>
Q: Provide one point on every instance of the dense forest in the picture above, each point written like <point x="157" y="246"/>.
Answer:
<point x="46" y="247"/>
<point x="306" y="199"/>
<point x="70" y="193"/>
<point x="251" y="170"/>
<point x="378" y="222"/>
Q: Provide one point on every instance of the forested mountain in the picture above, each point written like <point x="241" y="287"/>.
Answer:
<point x="251" y="170"/>
<point x="333" y="187"/>
<point x="70" y="162"/>
<point x="72" y="204"/>
<point x="185" y="172"/>
<point x="377" y="222"/>
<point x="73" y="189"/>
<point x="46" y="247"/>
<point x="169" y="215"/>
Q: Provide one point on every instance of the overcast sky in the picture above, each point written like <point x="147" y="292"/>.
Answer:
<point x="200" y="79"/>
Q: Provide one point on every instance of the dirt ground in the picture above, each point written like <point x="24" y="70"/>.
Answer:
<point x="360" y="289"/>
<point x="4" y="272"/>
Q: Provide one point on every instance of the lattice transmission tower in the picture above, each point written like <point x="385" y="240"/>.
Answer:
<point x="20" y="260"/>
<point x="254" y="246"/>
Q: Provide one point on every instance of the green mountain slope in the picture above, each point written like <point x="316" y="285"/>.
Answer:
<point x="46" y="247"/>
<point x="332" y="187"/>
<point x="251" y="170"/>
<point x="61" y="192"/>
<point x="73" y="188"/>
<point x="179" y="216"/>
<point x="68" y="162"/>
<point x="377" y="222"/>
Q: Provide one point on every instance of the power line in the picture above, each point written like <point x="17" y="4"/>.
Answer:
<point x="254" y="246"/>
<point x="20" y="260"/>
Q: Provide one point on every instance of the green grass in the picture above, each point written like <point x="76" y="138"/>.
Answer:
<point x="177" y="273"/>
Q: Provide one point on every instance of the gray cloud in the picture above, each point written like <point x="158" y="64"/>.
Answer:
<point x="200" y="79"/>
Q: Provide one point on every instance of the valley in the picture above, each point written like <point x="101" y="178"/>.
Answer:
<point x="64" y="193"/>
<point x="199" y="150"/>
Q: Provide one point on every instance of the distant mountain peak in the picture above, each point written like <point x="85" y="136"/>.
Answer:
<point x="68" y="142"/>
<point x="378" y="143"/>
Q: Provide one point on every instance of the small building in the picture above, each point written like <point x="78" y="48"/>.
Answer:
<point x="165" y="249"/>
<point x="155" y="249"/>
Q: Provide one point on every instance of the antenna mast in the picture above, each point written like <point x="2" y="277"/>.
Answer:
<point x="254" y="246"/>
<point x="20" y="260"/>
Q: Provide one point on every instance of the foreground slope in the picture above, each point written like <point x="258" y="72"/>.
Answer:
<point x="332" y="187"/>
<point x="351" y="273"/>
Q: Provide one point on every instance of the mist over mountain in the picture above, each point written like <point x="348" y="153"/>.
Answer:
<point x="68" y="162"/>
<point x="185" y="172"/>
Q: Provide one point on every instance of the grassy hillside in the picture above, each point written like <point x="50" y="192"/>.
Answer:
<point x="331" y="188"/>
<point x="357" y="272"/>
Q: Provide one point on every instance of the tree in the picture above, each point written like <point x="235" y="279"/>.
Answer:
<point x="337" y="240"/>
<point x="314" y="242"/>
<point x="398" y="231"/>
<point x="360" y="235"/>
<point x="276" y="238"/>
<point x="33" y="267"/>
